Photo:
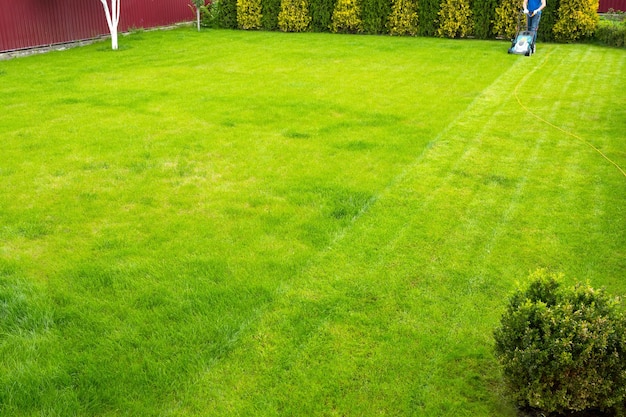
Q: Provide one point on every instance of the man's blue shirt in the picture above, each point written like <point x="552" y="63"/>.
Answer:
<point x="534" y="5"/>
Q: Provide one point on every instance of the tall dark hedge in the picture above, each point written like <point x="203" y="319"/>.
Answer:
<point x="484" y="14"/>
<point x="227" y="14"/>
<point x="321" y="14"/>
<point x="548" y="19"/>
<point x="427" y="11"/>
<point x="270" y="11"/>
<point x="375" y="14"/>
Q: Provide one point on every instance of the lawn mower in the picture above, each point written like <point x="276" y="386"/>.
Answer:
<point x="523" y="43"/>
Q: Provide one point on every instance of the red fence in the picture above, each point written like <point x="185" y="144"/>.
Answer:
<point x="31" y="23"/>
<point x="605" y="5"/>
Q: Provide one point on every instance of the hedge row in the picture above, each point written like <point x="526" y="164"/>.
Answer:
<point x="562" y="20"/>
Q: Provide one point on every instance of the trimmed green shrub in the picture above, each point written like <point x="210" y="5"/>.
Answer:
<point x="269" y="14"/>
<point x="428" y="11"/>
<point x="484" y="12"/>
<point x="347" y="17"/>
<point x="294" y="16"/>
<point x="455" y="19"/>
<point x="506" y="18"/>
<point x="403" y="18"/>
<point x="577" y="19"/>
<point x="563" y="349"/>
<point x="249" y="14"/>
<point x="375" y="14"/>
<point x="321" y="12"/>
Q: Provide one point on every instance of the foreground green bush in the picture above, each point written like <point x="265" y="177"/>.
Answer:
<point x="564" y="349"/>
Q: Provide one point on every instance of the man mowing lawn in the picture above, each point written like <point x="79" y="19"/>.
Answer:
<point x="533" y="17"/>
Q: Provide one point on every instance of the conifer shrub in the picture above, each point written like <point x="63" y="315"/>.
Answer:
<point x="564" y="349"/>
<point x="548" y="19"/>
<point x="484" y="12"/>
<point x="455" y="19"/>
<point x="321" y="12"/>
<point x="347" y="17"/>
<point x="577" y="19"/>
<point x="249" y="14"/>
<point x="506" y="17"/>
<point x="375" y="14"/>
<point x="269" y="14"/>
<point x="428" y="11"/>
<point x="403" y="19"/>
<point x="294" y="16"/>
<point x="223" y="14"/>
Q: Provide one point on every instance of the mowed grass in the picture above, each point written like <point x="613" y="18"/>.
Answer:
<point x="246" y="223"/>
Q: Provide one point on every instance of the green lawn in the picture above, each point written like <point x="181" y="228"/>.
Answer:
<point x="232" y="223"/>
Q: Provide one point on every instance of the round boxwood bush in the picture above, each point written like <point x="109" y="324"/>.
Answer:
<point x="563" y="349"/>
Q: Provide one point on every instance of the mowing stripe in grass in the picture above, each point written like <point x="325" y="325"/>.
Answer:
<point x="325" y="330"/>
<point x="566" y="132"/>
<point x="306" y="312"/>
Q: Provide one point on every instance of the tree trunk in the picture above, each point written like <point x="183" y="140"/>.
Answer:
<point x="114" y="39"/>
<point x="113" y="18"/>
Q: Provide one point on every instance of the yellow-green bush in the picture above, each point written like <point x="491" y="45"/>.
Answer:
<point x="505" y="22"/>
<point x="576" y="19"/>
<point x="347" y="17"/>
<point x="249" y="14"/>
<point x="294" y="16"/>
<point x="403" y="19"/>
<point x="455" y="19"/>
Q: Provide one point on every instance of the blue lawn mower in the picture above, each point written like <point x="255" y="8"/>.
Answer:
<point x="523" y="43"/>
